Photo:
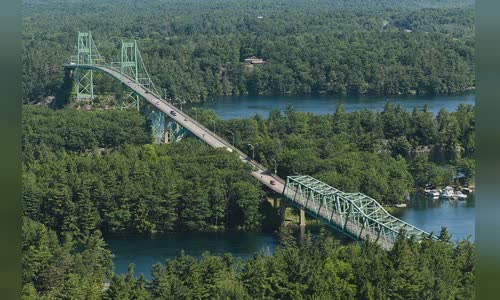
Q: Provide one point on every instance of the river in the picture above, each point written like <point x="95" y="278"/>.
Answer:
<point x="425" y="213"/>
<point x="145" y="251"/>
<point x="247" y="106"/>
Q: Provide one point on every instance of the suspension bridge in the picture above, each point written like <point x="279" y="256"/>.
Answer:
<point x="353" y="214"/>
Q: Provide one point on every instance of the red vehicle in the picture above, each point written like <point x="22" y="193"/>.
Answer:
<point x="272" y="182"/>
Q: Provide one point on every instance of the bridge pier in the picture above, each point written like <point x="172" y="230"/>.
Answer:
<point x="302" y="217"/>
<point x="282" y="212"/>
<point x="302" y="223"/>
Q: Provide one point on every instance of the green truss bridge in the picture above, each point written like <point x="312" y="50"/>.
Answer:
<point x="353" y="214"/>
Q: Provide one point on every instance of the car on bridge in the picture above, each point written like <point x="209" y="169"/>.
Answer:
<point x="272" y="182"/>
<point x="173" y="113"/>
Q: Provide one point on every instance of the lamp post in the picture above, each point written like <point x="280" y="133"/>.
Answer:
<point x="275" y="166"/>
<point x="232" y="134"/>
<point x="253" y="151"/>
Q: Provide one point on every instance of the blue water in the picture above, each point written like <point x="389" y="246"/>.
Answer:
<point x="247" y="106"/>
<point x="431" y="214"/>
<point x="145" y="251"/>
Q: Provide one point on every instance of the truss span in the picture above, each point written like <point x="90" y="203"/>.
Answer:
<point x="354" y="214"/>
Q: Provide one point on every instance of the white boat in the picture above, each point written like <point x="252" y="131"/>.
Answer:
<point x="448" y="193"/>
<point x="460" y="196"/>
<point x="433" y="193"/>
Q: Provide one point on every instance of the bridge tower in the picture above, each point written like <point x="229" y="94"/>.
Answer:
<point x="132" y="67"/>
<point x="129" y="67"/>
<point x="84" y="78"/>
<point x="86" y="54"/>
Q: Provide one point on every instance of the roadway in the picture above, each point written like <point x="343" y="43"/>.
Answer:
<point x="260" y="172"/>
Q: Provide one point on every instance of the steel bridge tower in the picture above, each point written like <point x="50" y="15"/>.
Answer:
<point x="87" y="54"/>
<point x="132" y="69"/>
<point x="132" y="66"/>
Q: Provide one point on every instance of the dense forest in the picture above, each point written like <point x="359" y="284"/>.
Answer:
<point x="196" y="49"/>
<point x="87" y="172"/>
<point x="382" y="154"/>
<point x="315" y="268"/>
<point x="77" y="182"/>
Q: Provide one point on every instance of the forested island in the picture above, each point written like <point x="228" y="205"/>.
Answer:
<point x="197" y="49"/>
<point x="91" y="172"/>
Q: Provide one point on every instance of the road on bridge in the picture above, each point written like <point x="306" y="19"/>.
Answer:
<point x="260" y="172"/>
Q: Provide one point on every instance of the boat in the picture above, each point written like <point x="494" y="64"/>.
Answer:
<point x="431" y="193"/>
<point x="448" y="193"/>
<point x="460" y="196"/>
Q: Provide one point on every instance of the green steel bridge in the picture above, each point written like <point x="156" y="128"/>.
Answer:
<point x="353" y="214"/>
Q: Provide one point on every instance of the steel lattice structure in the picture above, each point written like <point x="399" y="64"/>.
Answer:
<point x="354" y="214"/>
<point x="132" y="65"/>
<point x="132" y="69"/>
<point x="87" y="53"/>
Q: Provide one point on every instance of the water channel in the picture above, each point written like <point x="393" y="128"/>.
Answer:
<point x="425" y="213"/>
<point x="247" y="106"/>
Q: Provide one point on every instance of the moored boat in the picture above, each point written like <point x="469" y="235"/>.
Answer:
<point x="431" y="193"/>
<point x="460" y="196"/>
<point x="448" y="193"/>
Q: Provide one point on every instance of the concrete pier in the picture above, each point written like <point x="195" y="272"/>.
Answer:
<point x="282" y="212"/>
<point x="302" y="217"/>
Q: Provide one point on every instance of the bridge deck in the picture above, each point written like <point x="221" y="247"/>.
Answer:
<point x="260" y="172"/>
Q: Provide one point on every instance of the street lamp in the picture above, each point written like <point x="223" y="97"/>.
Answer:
<point x="232" y="134"/>
<point x="253" y="151"/>
<point x="275" y="166"/>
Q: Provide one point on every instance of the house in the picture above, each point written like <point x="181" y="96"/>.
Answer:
<point x="254" y="61"/>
